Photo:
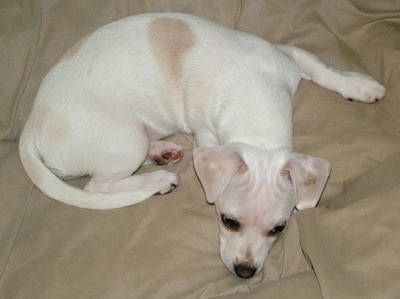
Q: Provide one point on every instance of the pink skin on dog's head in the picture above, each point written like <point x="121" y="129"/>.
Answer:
<point x="255" y="192"/>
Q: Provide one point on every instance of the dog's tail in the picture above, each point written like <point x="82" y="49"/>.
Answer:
<point x="57" y="189"/>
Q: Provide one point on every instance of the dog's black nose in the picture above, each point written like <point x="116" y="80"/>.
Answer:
<point x="244" y="270"/>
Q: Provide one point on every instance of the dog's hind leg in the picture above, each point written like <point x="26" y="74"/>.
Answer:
<point x="112" y="168"/>
<point x="351" y="85"/>
<point x="158" y="182"/>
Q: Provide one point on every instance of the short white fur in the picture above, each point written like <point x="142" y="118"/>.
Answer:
<point x="102" y="109"/>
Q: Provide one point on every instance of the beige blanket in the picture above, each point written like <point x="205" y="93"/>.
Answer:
<point x="167" y="247"/>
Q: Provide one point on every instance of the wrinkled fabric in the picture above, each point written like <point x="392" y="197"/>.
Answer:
<point x="167" y="246"/>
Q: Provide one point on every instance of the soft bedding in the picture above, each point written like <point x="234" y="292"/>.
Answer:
<point x="167" y="246"/>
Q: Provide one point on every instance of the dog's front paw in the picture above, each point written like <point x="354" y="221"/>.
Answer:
<point x="362" y="88"/>
<point x="164" y="152"/>
<point x="166" y="181"/>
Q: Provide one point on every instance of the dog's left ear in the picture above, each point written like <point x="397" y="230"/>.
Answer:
<point x="308" y="176"/>
<point x="215" y="168"/>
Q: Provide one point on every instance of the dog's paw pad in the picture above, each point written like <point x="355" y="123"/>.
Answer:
<point x="164" y="152"/>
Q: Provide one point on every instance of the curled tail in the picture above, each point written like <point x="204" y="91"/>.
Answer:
<point x="57" y="189"/>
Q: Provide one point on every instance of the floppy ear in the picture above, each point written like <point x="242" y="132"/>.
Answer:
<point x="308" y="176"/>
<point x="215" y="167"/>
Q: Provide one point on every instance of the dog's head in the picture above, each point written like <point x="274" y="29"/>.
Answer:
<point x="255" y="192"/>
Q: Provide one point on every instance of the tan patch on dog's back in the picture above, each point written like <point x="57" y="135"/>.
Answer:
<point x="170" y="39"/>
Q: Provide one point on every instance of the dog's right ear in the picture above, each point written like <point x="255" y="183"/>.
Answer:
<point x="215" y="168"/>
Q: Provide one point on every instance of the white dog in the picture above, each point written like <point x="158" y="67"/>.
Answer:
<point x="103" y="108"/>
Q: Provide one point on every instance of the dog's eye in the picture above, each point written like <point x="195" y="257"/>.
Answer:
<point x="277" y="229"/>
<point x="230" y="223"/>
